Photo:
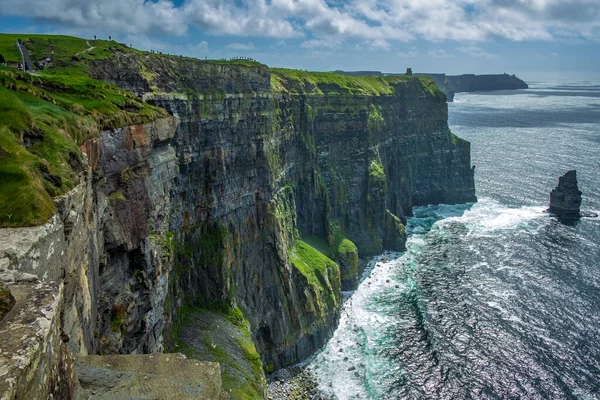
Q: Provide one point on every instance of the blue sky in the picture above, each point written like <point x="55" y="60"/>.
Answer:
<point x="452" y="36"/>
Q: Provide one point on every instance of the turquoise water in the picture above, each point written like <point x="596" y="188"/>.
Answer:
<point x="493" y="300"/>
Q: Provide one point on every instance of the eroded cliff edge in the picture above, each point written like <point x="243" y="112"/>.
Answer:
<point x="268" y="157"/>
<point x="214" y="206"/>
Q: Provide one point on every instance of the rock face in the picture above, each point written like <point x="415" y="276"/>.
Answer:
<point x="565" y="199"/>
<point x="7" y="301"/>
<point x="209" y="208"/>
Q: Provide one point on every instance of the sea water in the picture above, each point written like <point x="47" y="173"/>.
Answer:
<point x="492" y="300"/>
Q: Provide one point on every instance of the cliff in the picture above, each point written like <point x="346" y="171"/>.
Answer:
<point x="213" y="197"/>
<point x="451" y="84"/>
<point x="482" y="83"/>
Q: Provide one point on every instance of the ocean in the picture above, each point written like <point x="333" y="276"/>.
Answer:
<point x="492" y="300"/>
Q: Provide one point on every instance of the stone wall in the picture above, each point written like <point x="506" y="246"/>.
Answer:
<point x="34" y="361"/>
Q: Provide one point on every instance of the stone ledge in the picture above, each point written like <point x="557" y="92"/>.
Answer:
<point x="147" y="376"/>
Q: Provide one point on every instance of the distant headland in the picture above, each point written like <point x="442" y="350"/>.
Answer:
<point x="451" y="84"/>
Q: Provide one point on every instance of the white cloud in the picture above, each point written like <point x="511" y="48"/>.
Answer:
<point x="199" y="49"/>
<point x="477" y="52"/>
<point x="378" y="21"/>
<point x="241" y="46"/>
<point x="438" y="53"/>
<point x="412" y="53"/>
<point x="321" y="44"/>
<point x="115" y="16"/>
<point x="380" y="44"/>
<point x="246" y="18"/>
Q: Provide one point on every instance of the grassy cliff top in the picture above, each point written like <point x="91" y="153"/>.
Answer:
<point x="47" y="114"/>
<point x="301" y="82"/>
<point x="69" y="51"/>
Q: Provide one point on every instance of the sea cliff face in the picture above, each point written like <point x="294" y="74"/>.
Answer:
<point x="482" y="83"/>
<point x="260" y="170"/>
<point x="225" y="204"/>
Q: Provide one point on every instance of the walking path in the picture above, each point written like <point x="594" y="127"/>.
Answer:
<point x="24" y="55"/>
<point x="86" y="50"/>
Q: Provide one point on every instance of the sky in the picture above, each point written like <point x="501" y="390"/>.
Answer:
<point x="451" y="36"/>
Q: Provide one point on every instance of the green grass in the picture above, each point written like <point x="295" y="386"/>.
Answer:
<point x="60" y="111"/>
<point x="376" y="170"/>
<point x="9" y="49"/>
<point x="241" y="379"/>
<point x="341" y="245"/>
<point x="313" y="264"/>
<point x="456" y="139"/>
<point x="322" y="273"/>
<point x="296" y="81"/>
<point x="59" y="48"/>
<point x="23" y="198"/>
<point x="320" y="83"/>
<point x="344" y="245"/>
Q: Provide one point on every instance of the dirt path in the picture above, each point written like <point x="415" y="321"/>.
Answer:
<point x="86" y="50"/>
<point x="24" y="55"/>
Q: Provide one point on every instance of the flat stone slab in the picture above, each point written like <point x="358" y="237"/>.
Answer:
<point x="147" y="377"/>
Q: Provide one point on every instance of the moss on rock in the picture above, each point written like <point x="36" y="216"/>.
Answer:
<point x="395" y="233"/>
<point x="343" y="251"/>
<point x="322" y="273"/>
<point x="7" y="301"/>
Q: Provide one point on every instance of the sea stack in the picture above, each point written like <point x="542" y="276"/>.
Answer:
<point x="565" y="200"/>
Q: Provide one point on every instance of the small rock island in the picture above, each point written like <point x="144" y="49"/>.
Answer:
<point x="565" y="199"/>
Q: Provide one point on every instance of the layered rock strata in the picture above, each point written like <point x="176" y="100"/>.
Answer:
<point x="212" y="207"/>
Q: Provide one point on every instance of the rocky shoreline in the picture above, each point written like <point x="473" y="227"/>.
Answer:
<point x="294" y="383"/>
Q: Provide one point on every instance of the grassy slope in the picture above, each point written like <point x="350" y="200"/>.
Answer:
<point x="320" y="271"/>
<point x="341" y="245"/>
<point x="223" y="337"/>
<point x="44" y="118"/>
<point x="296" y="81"/>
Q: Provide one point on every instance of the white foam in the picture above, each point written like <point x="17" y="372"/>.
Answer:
<point x="488" y="217"/>
<point x="364" y="319"/>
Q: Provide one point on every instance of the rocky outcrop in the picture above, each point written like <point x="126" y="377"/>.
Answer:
<point x="7" y="301"/>
<point x="565" y="199"/>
